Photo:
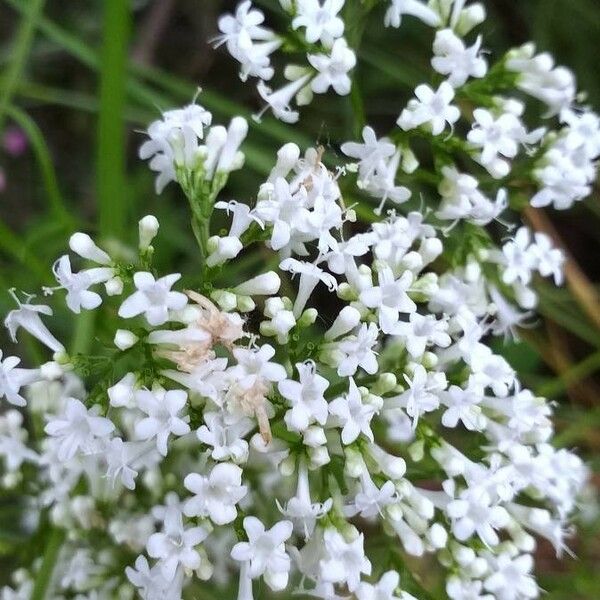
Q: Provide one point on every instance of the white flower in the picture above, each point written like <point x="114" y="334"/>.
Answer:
<point x="382" y="184"/>
<point x="563" y="183"/>
<point x="150" y="582"/>
<point x="215" y="496"/>
<point x="371" y="500"/>
<point x="265" y="552"/>
<point x="12" y="379"/>
<point x="511" y="578"/>
<point x="550" y="260"/>
<point x="371" y="154"/>
<point x="540" y="78"/>
<point x="453" y="58"/>
<point x="285" y="210"/>
<point x="474" y="513"/>
<point x="357" y="351"/>
<point x="390" y="298"/>
<point x="255" y="365"/>
<point x="225" y="436"/>
<point x="240" y="33"/>
<point x="241" y="29"/>
<point x="354" y="415"/>
<point x="459" y="589"/>
<point x="321" y="21"/>
<point x="13" y="438"/>
<point x="310" y="275"/>
<point x="300" y="508"/>
<point x="153" y="298"/>
<point x="78" y="429"/>
<point x="163" y="418"/>
<point x="279" y="100"/>
<point x="28" y="317"/>
<point x="344" y="562"/>
<point x="415" y="8"/>
<point x="422" y="395"/>
<point x="175" y="545"/>
<point x="384" y="589"/>
<point x="431" y="107"/>
<point x="463" y="405"/>
<point x="518" y="258"/>
<point x="306" y="396"/>
<point x="492" y="370"/>
<point x="282" y="320"/>
<point x="333" y="69"/>
<point x="77" y="284"/>
<point x="119" y="457"/>
<point x="499" y="139"/>
<point x="420" y="331"/>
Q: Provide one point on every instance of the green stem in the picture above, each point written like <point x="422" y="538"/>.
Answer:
<point x="44" y="575"/>
<point x="110" y="166"/>
<point x="20" y="52"/>
<point x="201" y="229"/>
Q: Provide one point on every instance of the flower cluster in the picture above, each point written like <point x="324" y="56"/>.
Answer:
<point x="318" y="34"/>
<point x="277" y="428"/>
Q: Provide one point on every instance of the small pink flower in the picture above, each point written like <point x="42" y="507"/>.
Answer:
<point x="14" y="141"/>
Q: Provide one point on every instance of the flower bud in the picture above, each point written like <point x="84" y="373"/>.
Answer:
<point x="308" y="317"/>
<point x="395" y="512"/>
<point x="347" y="320"/>
<point x="464" y="556"/>
<point x="148" y="228"/>
<point x="230" y="158"/>
<point x="125" y="339"/>
<point x="410" y="163"/>
<point x="266" y="284"/>
<point x="412" y="261"/>
<point x="223" y="248"/>
<point x="430" y="360"/>
<point x="345" y="292"/>
<point x="226" y="300"/>
<point x="471" y="17"/>
<point x="287" y="466"/>
<point x="355" y="464"/>
<point x="385" y="383"/>
<point x="318" y="456"/>
<point x="83" y="245"/>
<point x="314" y="436"/>
<point x="245" y="304"/>
<point x="121" y="394"/>
<point x="417" y="450"/>
<point x="114" y="286"/>
<point x="430" y="249"/>
<point x="51" y="371"/>
<point x="287" y="157"/>
<point x="437" y="536"/>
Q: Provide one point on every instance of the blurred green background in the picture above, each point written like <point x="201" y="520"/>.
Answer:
<point x="81" y="79"/>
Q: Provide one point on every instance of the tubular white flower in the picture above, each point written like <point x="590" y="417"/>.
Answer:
<point x="27" y="316"/>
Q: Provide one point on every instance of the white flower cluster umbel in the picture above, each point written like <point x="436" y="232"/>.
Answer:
<point x="279" y="428"/>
